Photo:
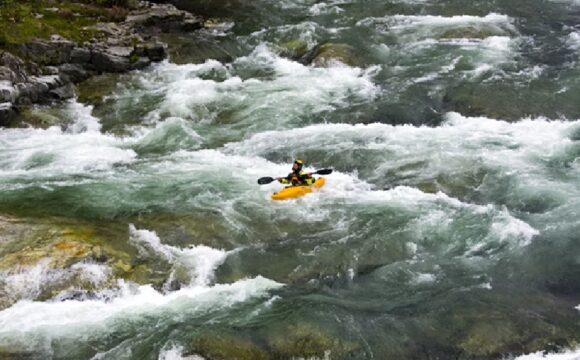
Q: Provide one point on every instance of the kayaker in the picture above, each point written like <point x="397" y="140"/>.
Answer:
<point x="297" y="176"/>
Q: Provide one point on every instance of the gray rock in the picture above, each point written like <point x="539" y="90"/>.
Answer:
<point x="50" y="70"/>
<point x="141" y="62"/>
<point x="51" y="81"/>
<point x="103" y="61"/>
<point x="64" y="92"/>
<point x="155" y="51"/>
<point x="6" y="74"/>
<point x="164" y="17"/>
<point x="30" y="92"/>
<point x="122" y="51"/>
<point x="74" y="73"/>
<point x="47" y="52"/>
<point x="15" y="64"/>
<point x="7" y="91"/>
<point x="80" y="55"/>
<point x="7" y="113"/>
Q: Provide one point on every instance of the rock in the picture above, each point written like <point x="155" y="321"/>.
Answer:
<point x="163" y="18"/>
<point x="122" y="51"/>
<point x="16" y="66"/>
<point x="306" y="341"/>
<point x="74" y="72"/>
<point x="51" y="81"/>
<point x="329" y="54"/>
<point x="155" y="51"/>
<point x="64" y="92"/>
<point x="50" y="70"/>
<point x="30" y="92"/>
<point x="80" y="55"/>
<point x="6" y="74"/>
<point x="47" y="52"/>
<point x="103" y="61"/>
<point x="141" y="62"/>
<point x="7" y="113"/>
<point x="219" y="346"/>
<point x="7" y="91"/>
<point x="295" y="49"/>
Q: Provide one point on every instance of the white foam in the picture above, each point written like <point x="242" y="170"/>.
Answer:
<point x="423" y="278"/>
<point x="28" y="282"/>
<point x="506" y="227"/>
<point x="327" y="8"/>
<point x="53" y="152"/>
<point x="293" y="88"/>
<point x="175" y="352"/>
<point x="574" y="40"/>
<point x="200" y="260"/>
<point x="82" y="117"/>
<point x="541" y="355"/>
<point x="403" y="21"/>
<point x="95" y="274"/>
<point x="430" y="26"/>
<point x="73" y="318"/>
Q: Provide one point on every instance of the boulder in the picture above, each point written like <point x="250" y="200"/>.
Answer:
<point x="64" y="92"/>
<point x="101" y="60"/>
<point x="308" y="341"/>
<point x="155" y="51"/>
<point x="329" y="54"/>
<point x="17" y="67"/>
<point x="6" y="74"/>
<point x="163" y="18"/>
<point x="73" y="73"/>
<point x="30" y="92"/>
<point x="47" y="52"/>
<point x="7" y="91"/>
<point x="80" y="55"/>
<point x="7" y="113"/>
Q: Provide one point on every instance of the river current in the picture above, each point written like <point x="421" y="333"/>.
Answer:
<point x="132" y="226"/>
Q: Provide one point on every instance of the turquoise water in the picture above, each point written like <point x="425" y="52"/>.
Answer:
<point x="134" y="227"/>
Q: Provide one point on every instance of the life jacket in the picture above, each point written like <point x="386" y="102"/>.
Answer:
<point x="301" y="178"/>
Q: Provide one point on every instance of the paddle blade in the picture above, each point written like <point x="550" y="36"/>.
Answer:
<point x="324" y="171"/>
<point x="265" y="180"/>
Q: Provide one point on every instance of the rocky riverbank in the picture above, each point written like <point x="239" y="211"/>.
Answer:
<point x="43" y="70"/>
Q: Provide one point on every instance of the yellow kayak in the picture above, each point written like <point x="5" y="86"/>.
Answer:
<point x="297" y="191"/>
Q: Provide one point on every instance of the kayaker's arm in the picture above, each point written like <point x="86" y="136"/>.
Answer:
<point x="283" y="180"/>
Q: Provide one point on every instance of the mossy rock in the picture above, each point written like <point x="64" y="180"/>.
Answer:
<point x="38" y="117"/>
<point x="227" y="347"/>
<point x="294" y="49"/>
<point x="94" y="90"/>
<point x="330" y="53"/>
<point x="307" y="341"/>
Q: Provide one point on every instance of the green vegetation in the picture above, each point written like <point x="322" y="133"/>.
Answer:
<point x="22" y="21"/>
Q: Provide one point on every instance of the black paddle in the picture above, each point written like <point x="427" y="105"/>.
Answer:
<point x="266" y="179"/>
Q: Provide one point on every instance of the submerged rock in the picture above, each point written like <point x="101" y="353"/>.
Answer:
<point x="307" y="341"/>
<point x="295" y="49"/>
<point x="330" y="53"/>
<point x="7" y="113"/>
<point x="227" y="347"/>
